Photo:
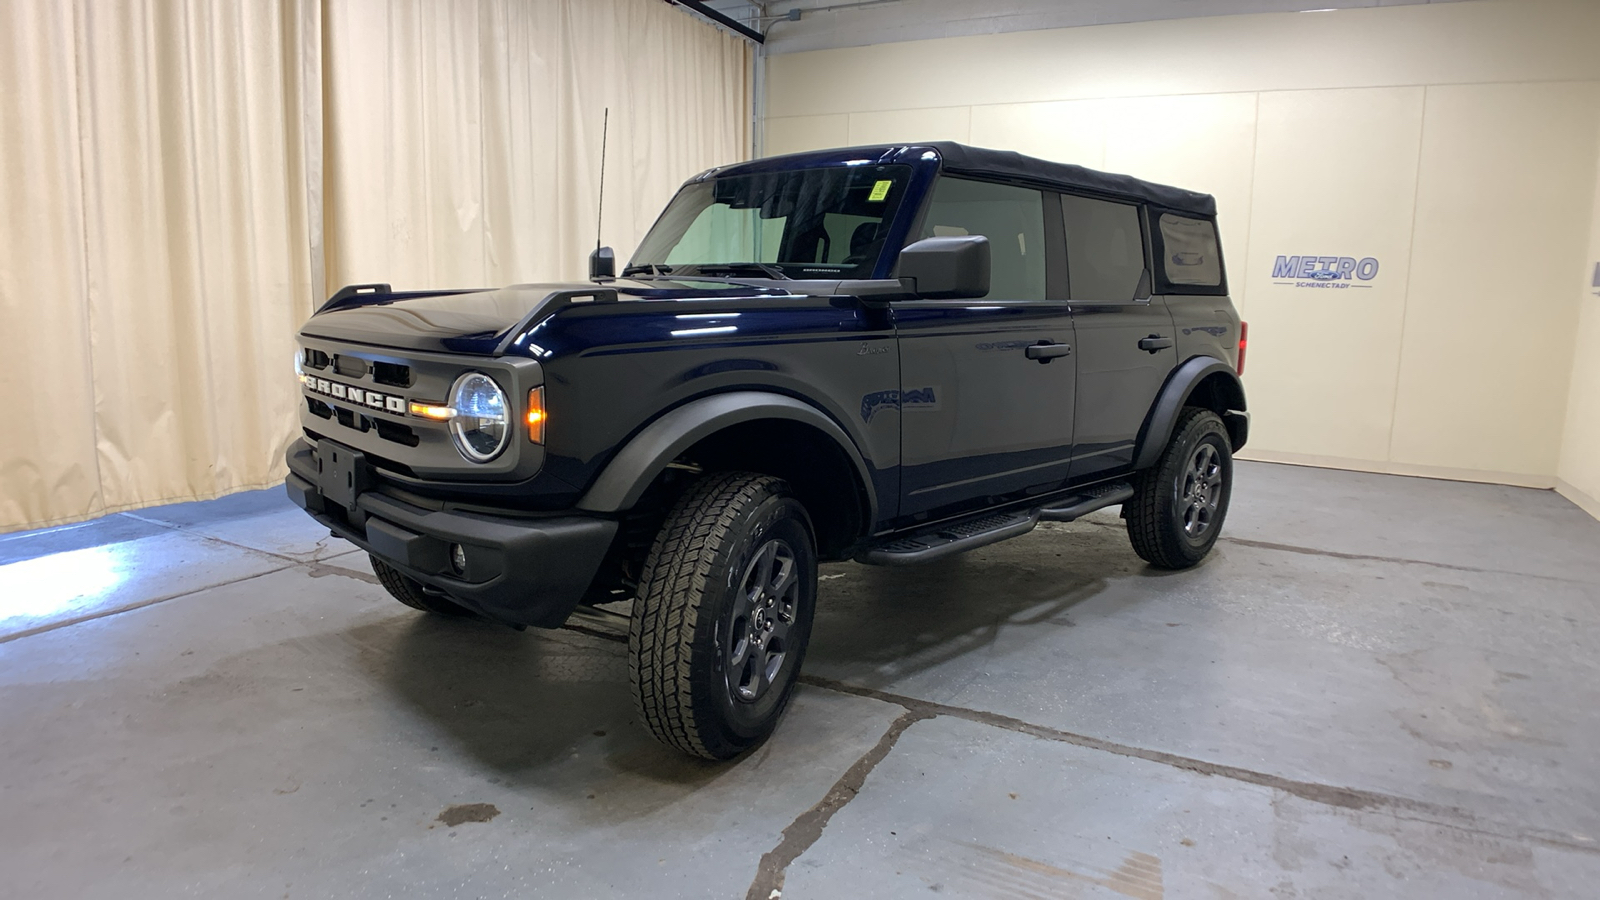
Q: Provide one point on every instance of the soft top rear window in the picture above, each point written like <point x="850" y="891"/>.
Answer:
<point x="1191" y="260"/>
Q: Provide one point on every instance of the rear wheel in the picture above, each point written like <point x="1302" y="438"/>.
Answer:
<point x="410" y="591"/>
<point x="1179" y="503"/>
<point x="723" y="615"/>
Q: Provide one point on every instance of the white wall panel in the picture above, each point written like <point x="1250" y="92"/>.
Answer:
<point x="1503" y="200"/>
<point x="936" y="124"/>
<point x="1579" y="472"/>
<point x="1335" y="173"/>
<point x="1069" y="131"/>
<point x="1452" y="43"/>
<point x="794" y="134"/>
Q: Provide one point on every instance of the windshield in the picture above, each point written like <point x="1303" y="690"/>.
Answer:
<point x="806" y="223"/>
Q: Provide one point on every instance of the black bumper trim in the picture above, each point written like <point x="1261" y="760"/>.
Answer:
<point x="519" y="571"/>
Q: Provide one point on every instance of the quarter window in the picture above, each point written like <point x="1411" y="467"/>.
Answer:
<point x="1105" y="249"/>
<point x="1012" y="218"/>
<point x="1189" y="251"/>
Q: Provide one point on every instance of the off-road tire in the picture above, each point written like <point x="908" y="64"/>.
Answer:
<point x="409" y="591"/>
<point x="1156" y="514"/>
<point x="696" y="579"/>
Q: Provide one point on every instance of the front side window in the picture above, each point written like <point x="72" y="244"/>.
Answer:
<point x="827" y="222"/>
<point x="1105" y="249"/>
<point x="1012" y="218"/>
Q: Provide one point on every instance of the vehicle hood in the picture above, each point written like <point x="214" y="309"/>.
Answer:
<point x="486" y="322"/>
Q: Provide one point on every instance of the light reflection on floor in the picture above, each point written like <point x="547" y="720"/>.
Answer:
<point x="62" y="583"/>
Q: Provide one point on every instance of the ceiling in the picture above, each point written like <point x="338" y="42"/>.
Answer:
<point x="825" y="24"/>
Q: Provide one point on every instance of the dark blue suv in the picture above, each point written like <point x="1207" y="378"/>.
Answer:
<point x="888" y="354"/>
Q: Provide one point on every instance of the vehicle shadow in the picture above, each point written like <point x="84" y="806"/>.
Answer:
<point x="521" y="703"/>
<point x="526" y="704"/>
<point x="877" y="625"/>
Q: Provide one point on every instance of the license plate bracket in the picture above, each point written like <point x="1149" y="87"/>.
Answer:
<point x="342" y="474"/>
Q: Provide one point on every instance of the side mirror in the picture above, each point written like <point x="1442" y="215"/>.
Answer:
<point x="602" y="264"/>
<point x="947" y="268"/>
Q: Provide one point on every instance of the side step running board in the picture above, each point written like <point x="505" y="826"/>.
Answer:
<point x="951" y="538"/>
<point x="1098" y="497"/>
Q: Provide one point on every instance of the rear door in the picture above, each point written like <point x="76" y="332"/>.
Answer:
<point x="984" y="419"/>
<point x="1125" y="340"/>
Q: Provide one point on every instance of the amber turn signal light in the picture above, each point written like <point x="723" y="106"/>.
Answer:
<point x="536" y="415"/>
<point x="433" y="411"/>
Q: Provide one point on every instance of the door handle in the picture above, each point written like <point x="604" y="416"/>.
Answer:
<point x="1154" y="343"/>
<point x="1044" y="351"/>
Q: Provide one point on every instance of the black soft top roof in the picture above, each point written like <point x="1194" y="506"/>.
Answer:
<point x="959" y="159"/>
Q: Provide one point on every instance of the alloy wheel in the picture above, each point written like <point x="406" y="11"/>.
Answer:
<point x="756" y="640"/>
<point x="1201" y="491"/>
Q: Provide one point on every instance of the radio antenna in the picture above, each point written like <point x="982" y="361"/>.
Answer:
<point x="600" y="211"/>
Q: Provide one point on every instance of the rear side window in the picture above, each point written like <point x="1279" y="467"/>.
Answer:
<point x="1012" y="218"/>
<point x="1189" y="254"/>
<point x="1105" y="249"/>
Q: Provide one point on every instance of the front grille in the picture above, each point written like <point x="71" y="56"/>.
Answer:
<point x="394" y="431"/>
<point x="392" y="374"/>
<point x="350" y="366"/>
<point x="360" y="397"/>
<point x="350" y="419"/>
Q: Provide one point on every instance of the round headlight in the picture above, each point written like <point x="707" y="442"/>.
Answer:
<point x="482" y="423"/>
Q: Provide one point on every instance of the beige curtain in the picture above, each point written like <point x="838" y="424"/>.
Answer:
<point x="157" y="248"/>
<point x="169" y="168"/>
<point x="463" y="140"/>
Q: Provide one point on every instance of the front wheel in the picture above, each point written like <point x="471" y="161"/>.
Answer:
<point x="1179" y="503"/>
<point x="723" y="616"/>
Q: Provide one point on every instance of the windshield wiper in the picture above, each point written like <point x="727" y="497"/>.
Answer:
<point x="740" y="268"/>
<point x="647" y="269"/>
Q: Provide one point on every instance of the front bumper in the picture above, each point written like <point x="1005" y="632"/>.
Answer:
<point x="522" y="571"/>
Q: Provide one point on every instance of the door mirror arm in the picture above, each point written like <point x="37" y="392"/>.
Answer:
<point x="1141" y="291"/>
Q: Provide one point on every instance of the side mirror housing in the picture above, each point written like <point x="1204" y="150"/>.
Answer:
<point x="947" y="268"/>
<point x="602" y="264"/>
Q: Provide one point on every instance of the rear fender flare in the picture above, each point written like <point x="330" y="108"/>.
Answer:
<point x="635" y="467"/>
<point x="1174" y="396"/>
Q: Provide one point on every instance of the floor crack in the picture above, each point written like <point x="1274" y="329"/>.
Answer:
<point x="1397" y="560"/>
<point x="1354" y="799"/>
<point x="807" y="827"/>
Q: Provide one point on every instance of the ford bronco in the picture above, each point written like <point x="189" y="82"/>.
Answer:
<point x="889" y="354"/>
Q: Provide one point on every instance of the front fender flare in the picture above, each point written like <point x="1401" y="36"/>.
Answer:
<point x="635" y="467"/>
<point x="1175" y="395"/>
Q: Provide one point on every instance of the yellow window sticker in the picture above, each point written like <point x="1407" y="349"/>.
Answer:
<point x="880" y="190"/>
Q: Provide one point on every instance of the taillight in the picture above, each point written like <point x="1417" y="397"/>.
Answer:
<point x="536" y="416"/>
<point x="1244" y="340"/>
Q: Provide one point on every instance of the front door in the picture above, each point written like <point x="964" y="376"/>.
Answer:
<point x="1125" y="342"/>
<point x="986" y="385"/>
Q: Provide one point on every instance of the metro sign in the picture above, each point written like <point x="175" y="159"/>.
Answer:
<point x="1325" y="271"/>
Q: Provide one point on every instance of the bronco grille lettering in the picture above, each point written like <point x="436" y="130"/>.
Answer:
<point x="358" y="396"/>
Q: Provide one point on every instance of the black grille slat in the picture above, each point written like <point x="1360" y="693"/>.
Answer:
<point x="350" y="366"/>
<point x="394" y="431"/>
<point x="392" y="374"/>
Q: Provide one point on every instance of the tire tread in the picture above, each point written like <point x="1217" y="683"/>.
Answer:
<point x="408" y="591"/>
<point x="1148" y="528"/>
<point x="663" y="627"/>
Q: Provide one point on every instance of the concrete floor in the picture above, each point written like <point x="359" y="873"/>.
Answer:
<point x="1375" y="687"/>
